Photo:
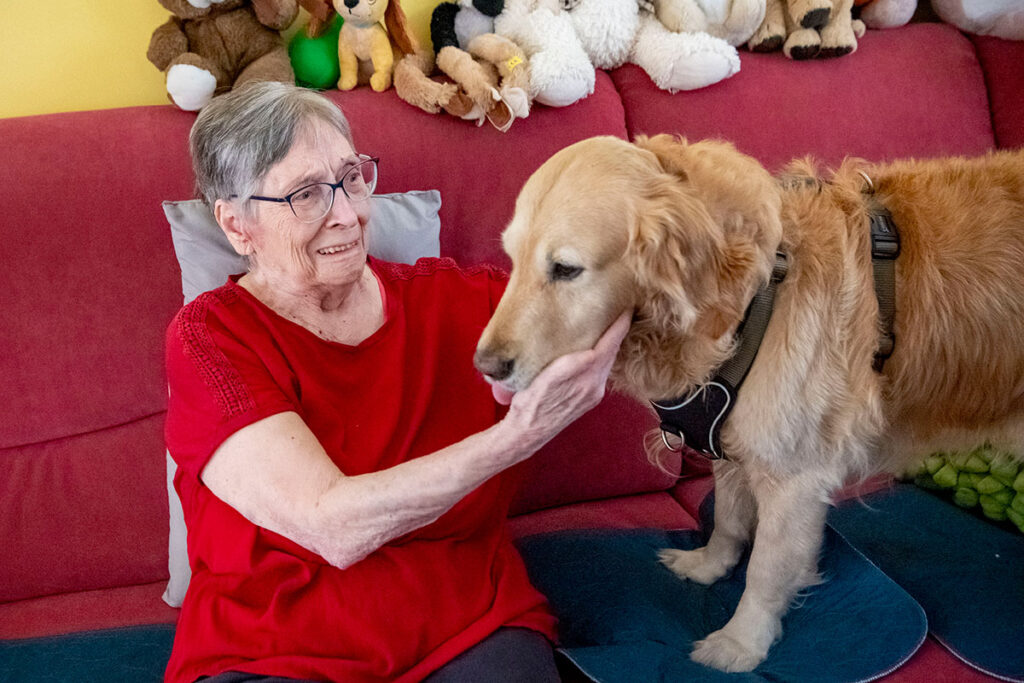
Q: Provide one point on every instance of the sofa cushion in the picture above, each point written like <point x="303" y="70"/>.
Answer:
<point x="913" y="92"/>
<point x="601" y="455"/>
<point x="659" y="510"/>
<point x="85" y="611"/>
<point x="84" y="512"/>
<point x="1003" y="64"/>
<point x="91" y="283"/>
<point x="87" y="259"/>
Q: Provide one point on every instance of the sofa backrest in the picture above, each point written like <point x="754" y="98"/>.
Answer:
<point x="918" y="91"/>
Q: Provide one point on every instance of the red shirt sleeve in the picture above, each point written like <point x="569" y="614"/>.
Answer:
<point x="217" y="383"/>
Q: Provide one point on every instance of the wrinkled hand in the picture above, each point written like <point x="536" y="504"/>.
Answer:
<point x="567" y="388"/>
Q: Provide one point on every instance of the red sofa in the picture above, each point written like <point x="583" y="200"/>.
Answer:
<point x="91" y="281"/>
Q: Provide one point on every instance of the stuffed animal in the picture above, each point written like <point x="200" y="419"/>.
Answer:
<point x="734" y="21"/>
<point x="609" y="33"/>
<point x="489" y="69"/>
<point x="560" y="69"/>
<point x="206" y="49"/>
<point x="885" y="13"/>
<point x="680" y="54"/>
<point x="566" y="41"/>
<point x="806" y="29"/>
<point x="315" y="57"/>
<point x="374" y="30"/>
<point x="999" y="18"/>
<point x="399" y="60"/>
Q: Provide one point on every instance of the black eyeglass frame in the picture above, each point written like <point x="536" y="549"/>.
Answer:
<point x="334" y="188"/>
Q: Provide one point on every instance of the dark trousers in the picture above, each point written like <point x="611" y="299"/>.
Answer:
<point x="509" y="655"/>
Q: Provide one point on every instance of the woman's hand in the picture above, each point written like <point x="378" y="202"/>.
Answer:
<point x="566" y="389"/>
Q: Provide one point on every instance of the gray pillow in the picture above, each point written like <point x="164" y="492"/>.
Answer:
<point x="403" y="227"/>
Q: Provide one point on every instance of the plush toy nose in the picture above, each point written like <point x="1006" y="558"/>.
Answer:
<point x="351" y="3"/>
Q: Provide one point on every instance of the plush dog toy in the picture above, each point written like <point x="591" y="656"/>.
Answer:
<point x="370" y="29"/>
<point x="206" y="49"/>
<point x="806" y="29"/>
<point x="490" y="69"/>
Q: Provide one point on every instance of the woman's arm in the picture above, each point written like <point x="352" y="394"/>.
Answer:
<point x="277" y="475"/>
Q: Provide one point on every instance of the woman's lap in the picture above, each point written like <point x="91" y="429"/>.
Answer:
<point x="510" y="655"/>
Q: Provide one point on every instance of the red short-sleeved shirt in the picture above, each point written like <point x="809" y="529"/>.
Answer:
<point x="258" y="602"/>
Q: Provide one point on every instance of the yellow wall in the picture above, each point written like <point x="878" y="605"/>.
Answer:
<point x="69" y="55"/>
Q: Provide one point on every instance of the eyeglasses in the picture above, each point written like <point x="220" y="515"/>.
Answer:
<point x="313" y="202"/>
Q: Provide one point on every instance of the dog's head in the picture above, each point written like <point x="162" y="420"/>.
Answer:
<point x="680" y="234"/>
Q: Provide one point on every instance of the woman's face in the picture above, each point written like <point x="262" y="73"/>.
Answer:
<point x="328" y="252"/>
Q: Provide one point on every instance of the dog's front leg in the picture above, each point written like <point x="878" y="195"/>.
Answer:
<point x="734" y="522"/>
<point x="784" y="559"/>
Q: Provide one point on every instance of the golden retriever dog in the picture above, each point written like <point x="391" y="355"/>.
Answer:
<point x="684" y="235"/>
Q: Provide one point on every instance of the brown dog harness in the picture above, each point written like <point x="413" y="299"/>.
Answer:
<point x="696" y="418"/>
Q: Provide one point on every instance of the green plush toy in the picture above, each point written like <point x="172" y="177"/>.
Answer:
<point x="983" y="477"/>
<point x="315" y="60"/>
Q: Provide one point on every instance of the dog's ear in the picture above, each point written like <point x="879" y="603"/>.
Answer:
<point x="321" y="12"/>
<point x="704" y="236"/>
<point x="738" y="265"/>
<point x="673" y="244"/>
<point x="671" y="152"/>
<point x="398" y="29"/>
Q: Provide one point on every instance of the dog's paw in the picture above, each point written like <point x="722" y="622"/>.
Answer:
<point x="723" y="652"/>
<point x="692" y="564"/>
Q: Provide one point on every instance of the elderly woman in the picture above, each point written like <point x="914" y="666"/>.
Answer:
<point x="343" y="470"/>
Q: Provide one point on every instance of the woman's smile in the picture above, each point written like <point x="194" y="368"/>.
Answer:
<point x="338" y="248"/>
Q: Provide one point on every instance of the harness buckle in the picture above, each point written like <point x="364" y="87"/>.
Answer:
<point x="885" y="239"/>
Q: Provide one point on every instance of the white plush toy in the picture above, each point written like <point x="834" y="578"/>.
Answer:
<point x="560" y="71"/>
<point x="734" y="21"/>
<point x="1000" y="18"/>
<point x="681" y="60"/>
<point x="566" y="40"/>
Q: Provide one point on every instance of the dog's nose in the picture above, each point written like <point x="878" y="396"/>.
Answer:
<point x="351" y="3"/>
<point x="493" y="365"/>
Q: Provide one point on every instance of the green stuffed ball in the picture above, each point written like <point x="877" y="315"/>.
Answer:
<point x="315" y="60"/>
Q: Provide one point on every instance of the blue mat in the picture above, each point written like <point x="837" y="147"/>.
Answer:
<point x="967" y="573"/>
<point x="624" y="617"/>
<point x="137" y="654"/>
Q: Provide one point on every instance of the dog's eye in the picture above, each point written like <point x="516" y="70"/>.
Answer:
<point x="564" y="271"/>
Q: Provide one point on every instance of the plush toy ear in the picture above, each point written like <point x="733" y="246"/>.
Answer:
<point x="321" y="12"/>
<point x="398" y="29"/>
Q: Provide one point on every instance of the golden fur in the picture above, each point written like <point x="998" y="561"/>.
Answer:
<point x="684" y="234"/>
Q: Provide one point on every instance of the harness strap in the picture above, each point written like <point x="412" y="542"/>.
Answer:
<point x="697" y="418"/>
<point x="885" y="248"/>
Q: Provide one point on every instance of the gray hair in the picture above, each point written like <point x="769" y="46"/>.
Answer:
<point x="240" y="135"/>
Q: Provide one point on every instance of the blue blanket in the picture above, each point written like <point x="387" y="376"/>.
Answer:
<point x="624" y="617"/>
<point x="137" y="654"/>
<point x="967" y="573"/>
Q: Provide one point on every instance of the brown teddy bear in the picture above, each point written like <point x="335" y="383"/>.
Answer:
<point x="207" y="47"/>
